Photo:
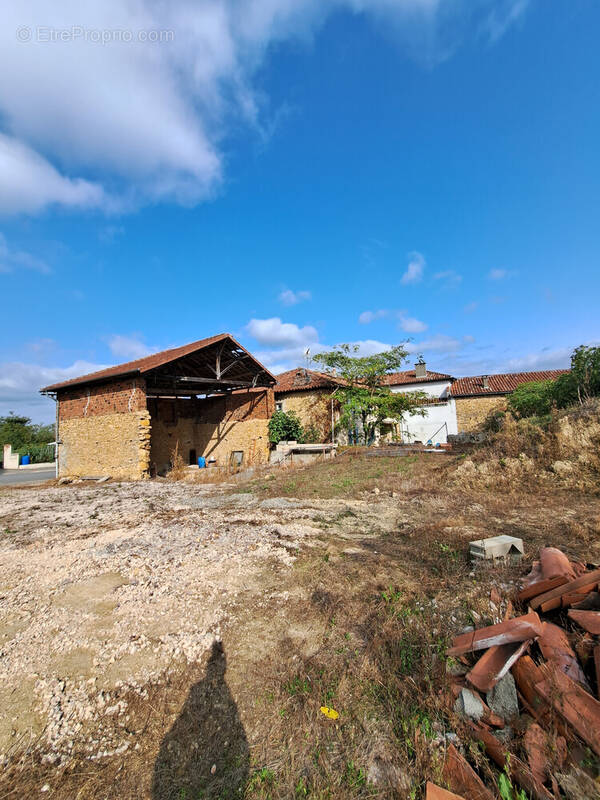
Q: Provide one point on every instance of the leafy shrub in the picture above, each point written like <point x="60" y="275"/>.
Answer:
<point x="564" y="390"/>
<point x="284" y="427"/>
<point x="532" y="399"/>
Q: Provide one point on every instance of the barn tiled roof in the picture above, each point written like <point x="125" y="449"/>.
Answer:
<point x="301" y="380"/>
<point x="409" y="376"/>
<point x="143" y="365"/>
<point x="500" y="384"/>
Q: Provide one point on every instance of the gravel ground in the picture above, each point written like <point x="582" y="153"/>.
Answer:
<point x="102" y="588"/>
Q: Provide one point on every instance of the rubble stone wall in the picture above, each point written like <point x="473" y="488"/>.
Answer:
<point x="105" y="430"/>
<point x="213" y="427"/>
<point x="209" y="439"/>
<point x="106" y="444"/>
<point x="312" y="408"/>
<point x="471" y="412"/>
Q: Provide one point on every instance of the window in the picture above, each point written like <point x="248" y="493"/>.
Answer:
<point x="192" y="457"/>
<point x="279" y="406"/>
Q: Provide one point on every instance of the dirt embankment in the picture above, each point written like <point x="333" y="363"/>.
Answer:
<point x="565" y="454"/>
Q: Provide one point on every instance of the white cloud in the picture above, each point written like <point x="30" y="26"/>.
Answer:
<point x="20" y="384"/>
<point x="290" y="298"/>
<point x="414" y="271"/>
<point x="405" y="322"/>
<point x="129" y="347"/>
<point x="440" y="343"/>
<point x="30" y="183"/>
<point x="275" y="333"/>
<point x="558" y="358"/>
<point x="370" y="316"/>
<point x="471" y="307"/>
<point x="449" y="278"/>
<point x="86" y="123"/>
<point x="500" y="274"/>
<point x="42" y="345"/>
<point x="11" y="260"/>
<point x="501" y="18"/>
<point x="411" y="324"/>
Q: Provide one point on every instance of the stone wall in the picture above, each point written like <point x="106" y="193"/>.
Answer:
<point x="211" y="440"/>
<point x="313" y="407"/>
<point x="104" y="430"/>
<point x="213" y="427"/>
<point x="106" y="444"/>
<point x="471" y="412"/>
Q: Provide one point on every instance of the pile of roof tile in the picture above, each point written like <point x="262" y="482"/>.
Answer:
<point x="520" y="680"/>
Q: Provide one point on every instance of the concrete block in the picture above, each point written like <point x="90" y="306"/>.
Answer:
<point x="497" y="547"/>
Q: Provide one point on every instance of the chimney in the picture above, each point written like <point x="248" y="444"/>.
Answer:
<point x="486" y="381"/>
<point x="420" y="369"/>
<point x="301" y="377"/>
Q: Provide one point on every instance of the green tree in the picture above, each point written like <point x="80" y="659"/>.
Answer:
<point x="26" y="437"/>
<point x="365" y="399"/>
<point x="285" y="427"/>
<point x="584" y="376"/>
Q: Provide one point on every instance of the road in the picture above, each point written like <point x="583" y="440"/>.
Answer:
<point x="16" y="477"/>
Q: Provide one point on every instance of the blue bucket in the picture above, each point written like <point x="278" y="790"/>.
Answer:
<point x="25" y="460"/>
<point x="201" y="462"/>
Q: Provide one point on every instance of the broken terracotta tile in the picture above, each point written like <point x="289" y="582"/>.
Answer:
<point x="434" y="792"/>
<point x="572" y="599"/>
<point x="495" y="597"/>
<point x="518" y="770"/>
<point x="461" y="776"/>
<point x="554" y="563"/>
<point x="540" y="587"/>
<point x="552" y="570"/>
<point x="588" y="620"/>
<point x="556" y="648"/>
<point x="552" y="598"/>
<point x="597" y="668"/>
<point x="495" y="663"/>
<point x="526" y="674"/>
<point x="573" y="703"/>
<point x="535" y="743"/>
<point x="517" y="629"/>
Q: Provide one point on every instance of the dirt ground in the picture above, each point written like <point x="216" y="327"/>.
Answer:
<point x="177" y="640"/>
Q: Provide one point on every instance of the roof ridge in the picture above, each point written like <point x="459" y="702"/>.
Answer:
<point x="150" y="362"/>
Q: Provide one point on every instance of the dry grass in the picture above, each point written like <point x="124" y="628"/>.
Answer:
<point x="352" y="476"/>
<point x="374" y="619"/>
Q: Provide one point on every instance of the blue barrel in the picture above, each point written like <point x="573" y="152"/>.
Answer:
<point x="25" y="460"/>
<point x="201" y="462"/>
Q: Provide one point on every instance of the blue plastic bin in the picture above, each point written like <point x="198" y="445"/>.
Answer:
<point x="201" y="462"/>
<point x="25" y="460"/>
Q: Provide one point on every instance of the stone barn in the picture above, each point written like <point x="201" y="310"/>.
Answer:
<point x="211" y="398"/>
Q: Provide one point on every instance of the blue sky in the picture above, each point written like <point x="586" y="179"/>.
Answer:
<point x="298" y="174"/>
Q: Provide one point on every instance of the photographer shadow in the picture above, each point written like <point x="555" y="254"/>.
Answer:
<point x="205" y="754"/>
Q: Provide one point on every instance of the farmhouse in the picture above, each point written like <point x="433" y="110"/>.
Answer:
<point x="452" y="406"/>
<point x="440" y="418"/>
<point x="210" y="398"/>
<point x="479" y="395"/>
<point x="309" y="394"/>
